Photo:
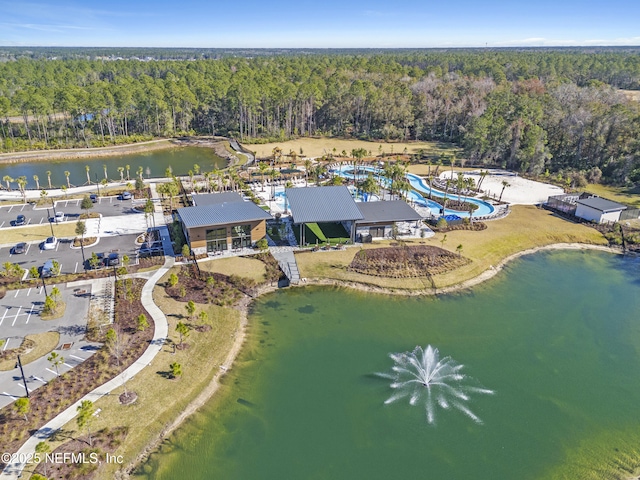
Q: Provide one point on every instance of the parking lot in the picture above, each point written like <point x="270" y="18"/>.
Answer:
<point x="107" y="206"/>
<point x="20" y="316"/>
<point x="70" y="259"/>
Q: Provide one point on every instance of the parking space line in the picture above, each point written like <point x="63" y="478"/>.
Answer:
<point x="28" y="247"/>
<point x="58" y="245"/>
<point x="29" y="291"/>
<point x="16" y="317"/>
<point x="11" y="207"/>
<point x="41" y="220"/>
<point x="17" y="292"/>
<point x="23" y="207"/>
<point x="65" y="363"/>
<point x="40" y="291"/>
<point x="30" y="312"/>
<point x="49" y="370"/>
<point x="28" y="221"/>
<point x="39" y="379"/>
<point x="77" y="358"/>
<point x="27" y="389"/>
<point x="5" y="344"/>
<point x="9" y="395"/>
<point x="1" y="224"/>
<point x="5" y="314"/>
<point x="76" y="270"/>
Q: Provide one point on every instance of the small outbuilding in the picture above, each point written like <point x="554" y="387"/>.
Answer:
<point x="599" y="210"/>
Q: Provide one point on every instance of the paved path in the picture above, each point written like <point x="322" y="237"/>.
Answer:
<point x="287" y="261"/>
<point x="14" y="470"/>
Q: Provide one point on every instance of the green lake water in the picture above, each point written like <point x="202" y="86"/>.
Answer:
<point x="153" y="163"/>
<point x="556" y="336"/>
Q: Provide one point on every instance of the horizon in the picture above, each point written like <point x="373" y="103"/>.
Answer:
<point x="283" y="24"/>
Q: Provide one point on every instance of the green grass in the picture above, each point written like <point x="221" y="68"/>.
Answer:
<point x="526" y="227"/>
<point x="332" y="233"/>
<point x="626" y="195"/>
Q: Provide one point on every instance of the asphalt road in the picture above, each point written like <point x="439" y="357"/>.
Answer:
<point x="107" y="206"/>
<point x="20" y="316"/>
<point x="70" y="259"/>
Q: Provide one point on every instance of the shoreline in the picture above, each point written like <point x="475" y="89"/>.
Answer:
<point x="80" y="153"/>
<point x="208" y="392"/>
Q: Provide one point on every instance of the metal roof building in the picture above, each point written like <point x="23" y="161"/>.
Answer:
<point x="215" y="198"/>
<point x="221" y="214"/>
<point x="601" y="204"/>
<point x="385" y="212"/>
<point x="322" y="205"/>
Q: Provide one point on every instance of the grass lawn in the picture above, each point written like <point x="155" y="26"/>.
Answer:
<point x="626" y="195"/>
<point x="245" y="267"/>
<point x="316" y="147"/>
<point x="161" y="400"/>
<point x="38" y="233"/>
<point x="526" y="227"/>
<point x="322" y="232"/>
<point x="44" y="344"/>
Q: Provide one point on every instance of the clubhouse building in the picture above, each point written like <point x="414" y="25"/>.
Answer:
<point x="222" y="221"/>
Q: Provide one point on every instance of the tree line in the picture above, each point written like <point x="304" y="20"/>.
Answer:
<point x="529" y="110"/>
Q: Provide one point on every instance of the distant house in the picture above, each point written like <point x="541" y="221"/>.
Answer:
<point x="222" y="221"/>
<point x="599" y="210"/>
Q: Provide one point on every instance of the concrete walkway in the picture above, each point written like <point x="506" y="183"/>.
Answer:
<point x="287" y="261"/>
<point x="14" y="470"/>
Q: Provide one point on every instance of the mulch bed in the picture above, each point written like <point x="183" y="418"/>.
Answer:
<point x="49" y="400"/>
<point x="406" y="261"/>
<point x="475" y="226"/>
<point x="102" y="442"/>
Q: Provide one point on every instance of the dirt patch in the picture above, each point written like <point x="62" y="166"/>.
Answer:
<point x="406" y="261"/>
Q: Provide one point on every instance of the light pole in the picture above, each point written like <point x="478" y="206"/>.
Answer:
<point x="50" y="224"/>
<point x="97" y="184"/>
<point x="44" y="285"/>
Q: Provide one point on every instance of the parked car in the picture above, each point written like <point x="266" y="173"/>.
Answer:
<point x="20" y="248"/>
<point x="93" y="197"/>
<point x="50" y="243"/>
<point x="59" y="217"/>
<point x="20" y="220"/>
<point x="112" y="260"/>
<point x="126" y="196"/>
<point x="47" y="269"/>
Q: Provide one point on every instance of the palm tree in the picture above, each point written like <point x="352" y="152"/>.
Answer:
<point x="22" y="183"/>
<point x="127" y="167"/>
<point x="196" y="169"/>
<point x="121" y="172"/>
<point x="49" y="178"/>
<point x="139" y="172"/>
<point x="37" y="180"/>
<point x="460" y="184"/>
<point x="369" y="186"/>
<point x="307" y="168"/>
<point x="104" y="167"/>
<point x="262" y="168"/>
<point x="505" y="184"/>
<point x="81" y="229"/>
<point x="67" y="174"/>
<point x="86" y="167"/>
<point x="8" y="179"/>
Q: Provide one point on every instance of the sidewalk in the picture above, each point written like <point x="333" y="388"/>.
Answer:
<point x="13" y="471"/>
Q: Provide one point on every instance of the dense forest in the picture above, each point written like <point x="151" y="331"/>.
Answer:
<point x="532" y="110"/>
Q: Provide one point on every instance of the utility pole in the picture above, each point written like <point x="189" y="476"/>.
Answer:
<point x="44" y="285"/>
<point x="50" y="224"/>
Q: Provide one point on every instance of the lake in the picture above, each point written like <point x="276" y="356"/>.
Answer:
<point x="153" y="163"/>
<point x="556" y="336"/>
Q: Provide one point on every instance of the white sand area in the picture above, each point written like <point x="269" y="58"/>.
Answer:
<point x="520" y="192"/>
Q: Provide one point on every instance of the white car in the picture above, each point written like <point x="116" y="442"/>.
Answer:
<point x="59" y="217"/>
<point x="50" y="243"/>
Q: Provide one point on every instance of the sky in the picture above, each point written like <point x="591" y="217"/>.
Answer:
<point x="319" y="24"/>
